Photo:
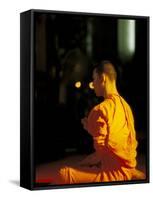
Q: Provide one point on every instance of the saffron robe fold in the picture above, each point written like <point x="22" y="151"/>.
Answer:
<point x="111" y="125"/>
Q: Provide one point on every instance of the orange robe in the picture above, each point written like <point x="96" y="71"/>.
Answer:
<point x="111" y="125"/>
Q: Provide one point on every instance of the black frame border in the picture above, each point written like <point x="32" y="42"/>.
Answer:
<point x="27" y="101"/>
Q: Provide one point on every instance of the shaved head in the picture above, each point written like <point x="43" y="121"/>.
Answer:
<point x="108" y="68"/>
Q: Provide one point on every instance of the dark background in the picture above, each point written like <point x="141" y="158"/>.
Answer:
<point x="66" y="47"/>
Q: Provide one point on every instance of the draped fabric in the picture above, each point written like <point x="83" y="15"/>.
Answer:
<point x="111" y="125"/>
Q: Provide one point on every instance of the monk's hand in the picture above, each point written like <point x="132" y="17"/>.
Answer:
<point x="90" y="160"/>
<point x="84" y="122"/>
<point x="83" y="163"/>
<point x="90" y="163"/>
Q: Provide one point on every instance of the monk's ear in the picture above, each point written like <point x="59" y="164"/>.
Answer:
<point x="103" y="77"/>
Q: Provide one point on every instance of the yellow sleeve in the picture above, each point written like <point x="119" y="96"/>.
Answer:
<point x="97" y="127"/>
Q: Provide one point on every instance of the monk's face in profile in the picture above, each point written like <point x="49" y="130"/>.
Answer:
<point x="98" y="83"/>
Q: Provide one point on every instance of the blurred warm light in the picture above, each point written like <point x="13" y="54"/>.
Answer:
<point x="91" y="85"/>
<point x="78" y="84"/>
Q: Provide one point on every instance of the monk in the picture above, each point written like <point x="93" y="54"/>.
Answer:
<point x="111" y="124"/>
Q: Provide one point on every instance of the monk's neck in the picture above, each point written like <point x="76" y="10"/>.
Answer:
<point x="110" y="90"/>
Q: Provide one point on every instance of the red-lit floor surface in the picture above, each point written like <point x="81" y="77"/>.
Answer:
<point x="46" y="173"/>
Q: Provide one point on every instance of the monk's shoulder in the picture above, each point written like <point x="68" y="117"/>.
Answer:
<point x="104" y="107"/>
<point x="107" y="106"/>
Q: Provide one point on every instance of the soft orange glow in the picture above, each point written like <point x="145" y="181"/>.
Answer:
<point x="97" y="127"/>
<point x="91" y="85"/>
<point x="119" y="150"/>
<point x="78" y="84"/>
